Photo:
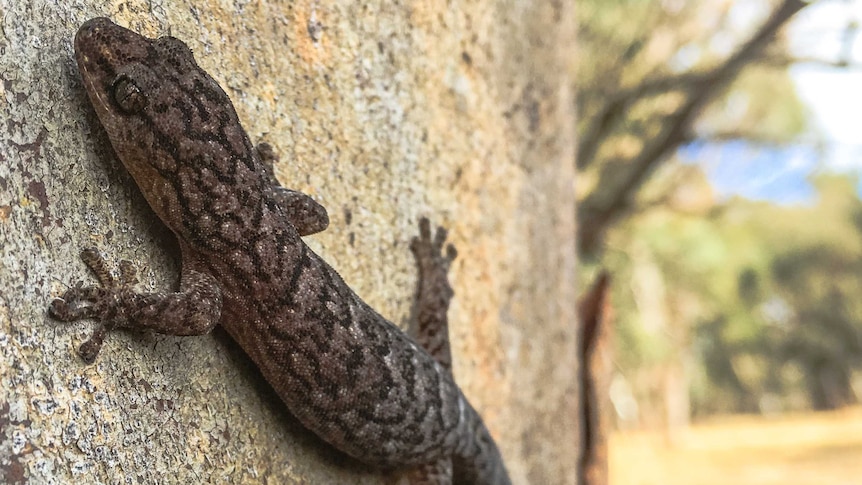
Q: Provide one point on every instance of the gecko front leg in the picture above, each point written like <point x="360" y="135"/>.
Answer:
<point x="306" y="214"/>
<point x="194" y="310"/>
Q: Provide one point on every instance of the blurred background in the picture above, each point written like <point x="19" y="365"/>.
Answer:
<point x="719" y="186"/>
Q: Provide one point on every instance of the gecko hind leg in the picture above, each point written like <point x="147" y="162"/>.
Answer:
<point x="431" y="325"/>
<point x="433" y="292"/>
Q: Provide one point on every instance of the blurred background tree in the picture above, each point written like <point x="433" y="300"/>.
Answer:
<point x="722" y="306"/>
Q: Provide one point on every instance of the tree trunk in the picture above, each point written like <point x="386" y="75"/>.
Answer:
<point x="384" y="113"/>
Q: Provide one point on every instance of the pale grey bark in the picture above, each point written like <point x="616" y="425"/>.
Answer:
<point x="384" y="112"/>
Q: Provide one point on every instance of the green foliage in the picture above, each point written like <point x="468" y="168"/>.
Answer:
<point x="760" y="106"/>
<point x="750" y="301"/>
<point x="761" y="300"/>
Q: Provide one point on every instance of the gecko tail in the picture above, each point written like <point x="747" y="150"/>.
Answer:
<point x="478" y="460"/>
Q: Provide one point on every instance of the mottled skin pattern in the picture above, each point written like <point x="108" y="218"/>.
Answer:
<point x="347" y="373"/>
<point x="431" y="327"/>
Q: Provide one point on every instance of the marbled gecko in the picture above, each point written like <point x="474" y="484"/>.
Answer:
<point x="349" y="375"/>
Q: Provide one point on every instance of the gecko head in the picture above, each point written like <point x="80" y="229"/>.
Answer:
<point x="131" y="79"/>
<point x="170" y="123"/>
<point x="157" y="105"/>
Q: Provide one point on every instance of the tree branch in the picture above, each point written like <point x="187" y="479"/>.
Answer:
<point x="605" y="204"/>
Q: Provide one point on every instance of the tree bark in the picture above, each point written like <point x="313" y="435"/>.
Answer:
<point x="383" y="112"/>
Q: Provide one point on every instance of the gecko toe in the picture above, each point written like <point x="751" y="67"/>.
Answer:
<point x="128" y="273"/>
<point x="60" y="310"/>
<point x="451" y="252"/>
<point x="424" y="229"/>
<point x="440" y="237"/>
<point x="91" y="348"/>
<point x="94" y="260"/>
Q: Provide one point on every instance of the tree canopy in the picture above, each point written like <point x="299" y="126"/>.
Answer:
<point x="740" y="305"/>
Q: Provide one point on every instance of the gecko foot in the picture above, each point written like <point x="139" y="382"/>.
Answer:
<point x="433" y="292"/>
<point x="97" y="302"/>
<point x="429" y="253"/>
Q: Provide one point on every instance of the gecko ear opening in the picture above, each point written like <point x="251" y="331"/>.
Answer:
<point x="128" y="95"/>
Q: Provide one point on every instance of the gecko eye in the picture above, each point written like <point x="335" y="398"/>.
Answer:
<point x="128" y="95"/>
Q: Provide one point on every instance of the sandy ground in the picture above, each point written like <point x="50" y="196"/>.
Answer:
<point x="801" y="449"/>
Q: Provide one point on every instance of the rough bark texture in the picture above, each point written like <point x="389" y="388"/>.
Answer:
<point x="384" y="112"/>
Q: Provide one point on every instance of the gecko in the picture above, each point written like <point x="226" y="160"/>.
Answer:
<point x="347" y="373"/>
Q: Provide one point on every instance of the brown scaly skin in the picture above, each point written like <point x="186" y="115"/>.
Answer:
<point x="347" y="373"/>
<point x="431" y="326"/>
